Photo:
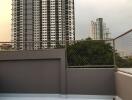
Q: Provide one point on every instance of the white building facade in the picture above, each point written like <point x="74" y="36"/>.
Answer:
<point x="40" y="24"/>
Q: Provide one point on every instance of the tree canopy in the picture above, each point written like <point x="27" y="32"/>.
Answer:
<point x="123" y="62"/>
<point x="90" y="52"/>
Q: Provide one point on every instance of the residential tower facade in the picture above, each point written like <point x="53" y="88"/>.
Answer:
<point x="40" y="24"/>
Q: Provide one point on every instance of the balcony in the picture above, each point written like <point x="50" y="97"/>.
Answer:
<point x="60" y="74"/>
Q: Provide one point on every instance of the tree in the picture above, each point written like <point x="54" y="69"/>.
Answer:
<point x="123" y="62"/>
<point x="90" y="52"/>
<point x="6" y="46"/>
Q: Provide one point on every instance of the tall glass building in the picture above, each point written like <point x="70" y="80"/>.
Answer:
<point x="39" y="24"/>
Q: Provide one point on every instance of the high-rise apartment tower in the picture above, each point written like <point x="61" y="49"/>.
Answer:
<point x="39" y="24"/>
<point x="98" y="30"/>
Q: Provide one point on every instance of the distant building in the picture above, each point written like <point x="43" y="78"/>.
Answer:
<point x="39" y="24"/>
<point x="99" y="30"/>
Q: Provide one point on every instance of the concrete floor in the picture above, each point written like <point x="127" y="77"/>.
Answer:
<point x="51" y="97"/>
<point x="127" y="70"/>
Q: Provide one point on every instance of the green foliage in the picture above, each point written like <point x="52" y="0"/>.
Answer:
<point x="123" y="62"/>
<point x="89" y="52"/>
<point x="6" y="47"/>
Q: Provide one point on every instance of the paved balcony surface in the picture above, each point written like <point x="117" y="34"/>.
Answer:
<point x="51" y="97"/>
<point x="126" y="70"/>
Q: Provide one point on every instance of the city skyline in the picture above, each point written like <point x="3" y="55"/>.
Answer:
<point x="116" y="13"/>
<point x="99" y="30"/>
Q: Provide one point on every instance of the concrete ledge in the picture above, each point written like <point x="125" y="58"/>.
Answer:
<point x="46" y="72"/>
<point x="33" y="71"/>
<point x="91" y="81"/>
<point x="124" y="85"/>
<point x="42" y="54"/>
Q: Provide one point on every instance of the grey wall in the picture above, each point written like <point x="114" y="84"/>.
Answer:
<point x="124" y="85"/>
<point x="91" y="81"/>
<point x="30" y="76"/>
<point x="32" y="71"/>
<point x="46" y="72"/>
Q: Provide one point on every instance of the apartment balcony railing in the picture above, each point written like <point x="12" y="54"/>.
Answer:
<point x="78" y="53"/>
<point x="123" y="50"/>
<point x="85" y="67"/>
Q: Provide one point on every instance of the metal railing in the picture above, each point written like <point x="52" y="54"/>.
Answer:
<point x="31" y="45"/>
<point x="84" y="53"/>
<point x="123" y="50"/>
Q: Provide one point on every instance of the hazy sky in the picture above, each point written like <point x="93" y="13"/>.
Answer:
<point x="5" y="20"/>
<point x="116" y="13"/>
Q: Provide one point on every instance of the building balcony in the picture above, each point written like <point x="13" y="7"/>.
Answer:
<point x="67" y="73"/>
